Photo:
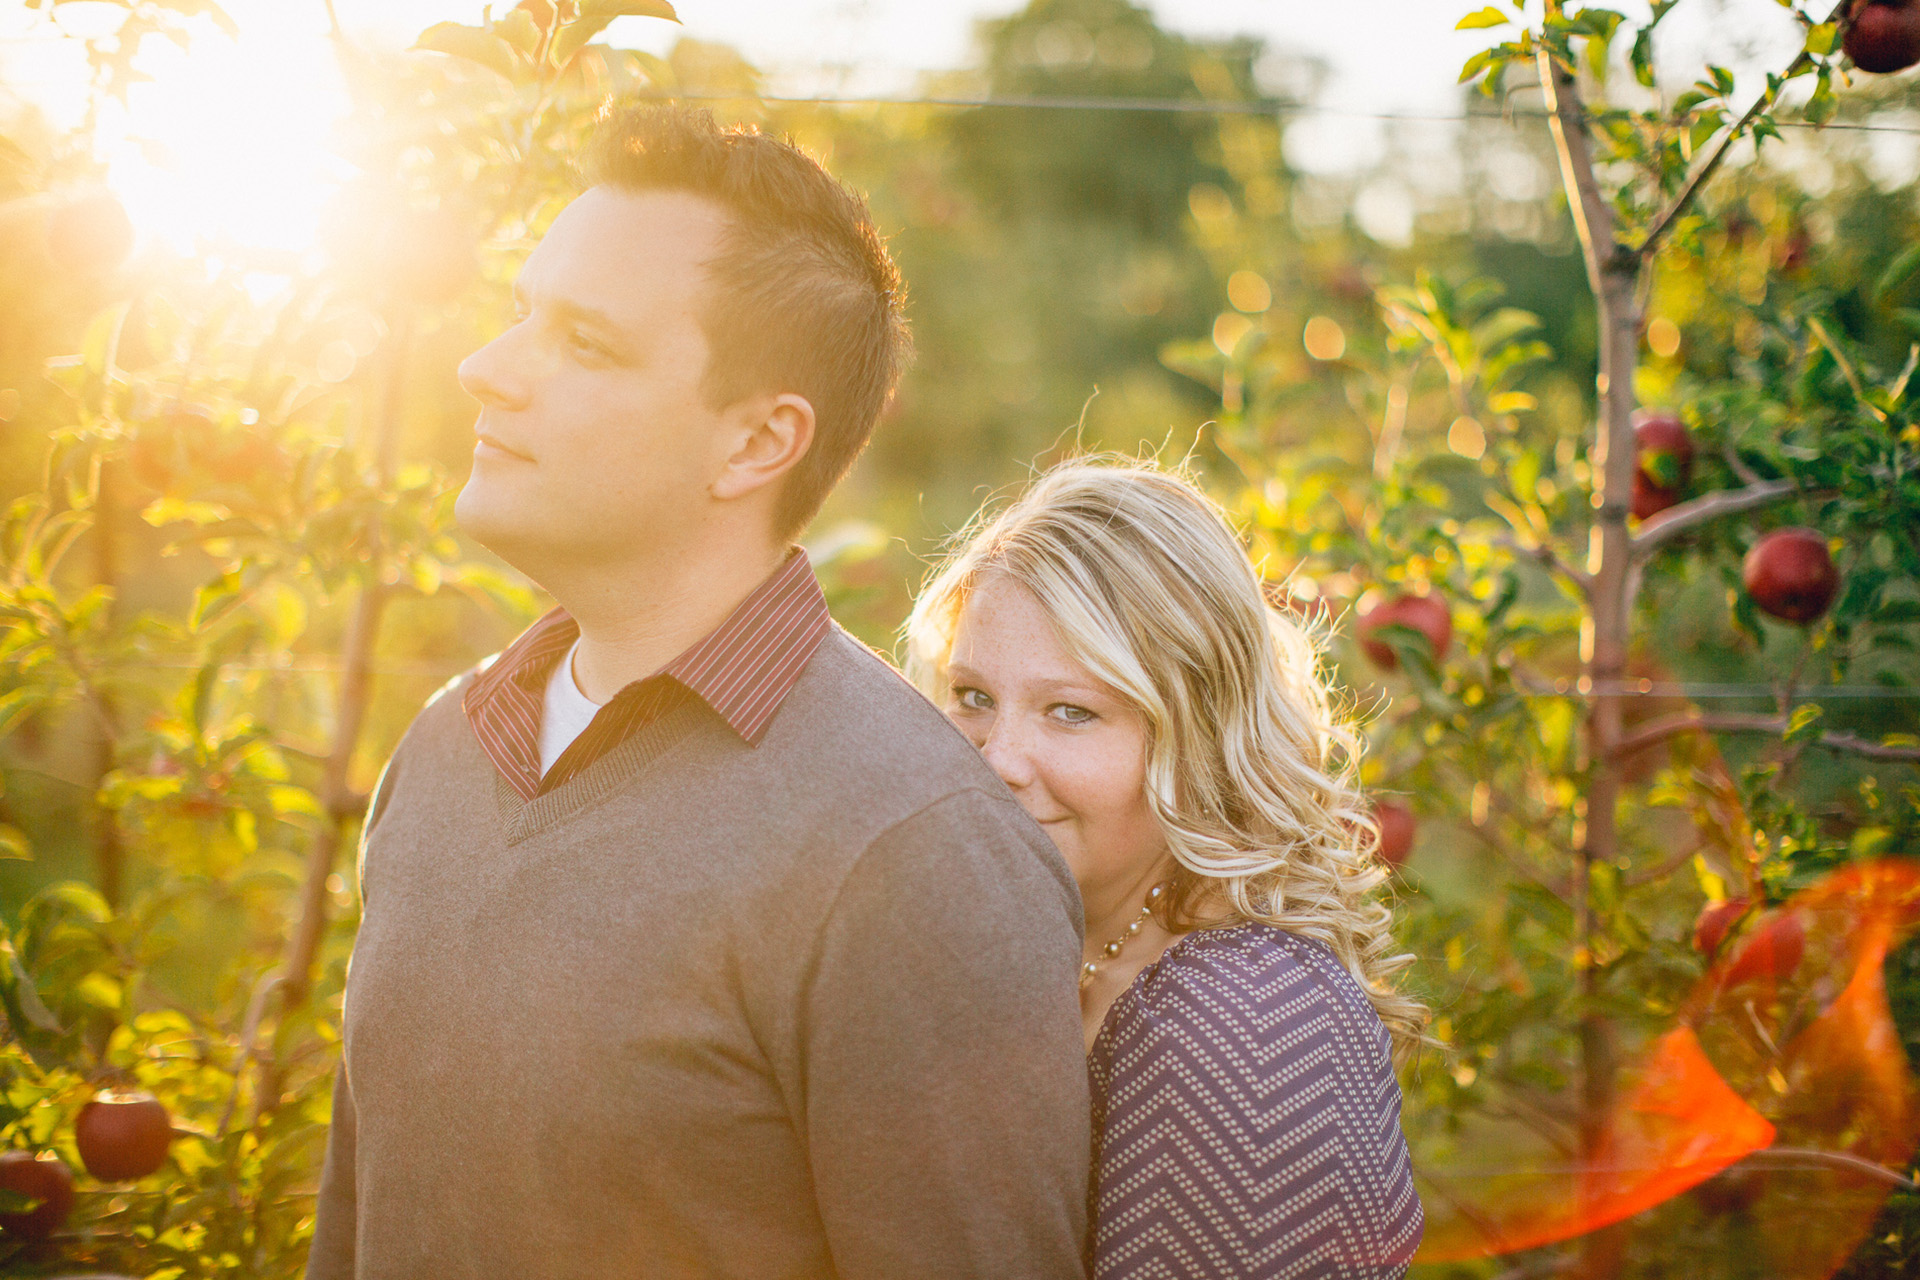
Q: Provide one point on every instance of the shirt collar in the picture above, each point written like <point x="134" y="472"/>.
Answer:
<point x="743" y="669"/>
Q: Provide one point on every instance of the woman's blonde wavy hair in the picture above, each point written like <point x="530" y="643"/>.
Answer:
<point x="1252" y="775"/>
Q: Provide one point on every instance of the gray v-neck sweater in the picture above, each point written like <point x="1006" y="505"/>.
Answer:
<point x="805" y="1009"/>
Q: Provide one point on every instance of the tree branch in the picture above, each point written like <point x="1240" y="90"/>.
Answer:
<point x="1838" y="1159"/>
<point x="1548" y="558"/>
<point x="1655" y="731"/>
<point x="1739" y="467"/>
<point x="1592" y="215"/>
<point x="1675" y="520"/>
<point x="1666" y="868"/>
<point x="1682" y="199"/>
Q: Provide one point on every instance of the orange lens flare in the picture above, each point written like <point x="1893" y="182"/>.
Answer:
<point x="1786" y="1047"/>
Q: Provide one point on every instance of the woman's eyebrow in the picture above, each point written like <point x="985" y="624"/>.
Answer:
<point x="960" y="673"/>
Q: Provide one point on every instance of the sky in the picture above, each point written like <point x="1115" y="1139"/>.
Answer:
<point x="275" y="110"/>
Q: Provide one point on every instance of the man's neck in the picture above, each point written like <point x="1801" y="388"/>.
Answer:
<point x="640" y="617"/>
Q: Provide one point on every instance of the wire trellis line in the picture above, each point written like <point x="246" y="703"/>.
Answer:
<point x="1196" y="106"/>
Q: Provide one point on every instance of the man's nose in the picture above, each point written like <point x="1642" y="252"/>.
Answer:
<point x="1007" y="754"/>
<point x="497" y="375"/>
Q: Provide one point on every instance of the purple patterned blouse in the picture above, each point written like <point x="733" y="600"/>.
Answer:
<point x="1246" y="1120"/>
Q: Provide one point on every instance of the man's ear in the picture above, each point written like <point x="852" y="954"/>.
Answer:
<point x="775" y="434"/>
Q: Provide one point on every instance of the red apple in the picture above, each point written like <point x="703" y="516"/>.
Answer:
<point x="1397" y="828"/>
<point x="1794" y="251"/>
<point x="1771" y="953"/>
<point x="245" y="458"/>
<point x="1790" y="574"/>
<point x="1885" y="36"/>
<point x="45" y="1178"/>
<point x="1663" y="462"/>
<point x="1425" y="614"/>
<point x="91" y="235"/>
<point x="1710" y="930"/>
<point x="123" y="1136"/>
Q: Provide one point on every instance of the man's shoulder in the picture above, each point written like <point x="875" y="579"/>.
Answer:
<point x="852" y="702"/>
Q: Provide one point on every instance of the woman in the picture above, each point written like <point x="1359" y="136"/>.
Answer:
<point x="1106" y="645"/>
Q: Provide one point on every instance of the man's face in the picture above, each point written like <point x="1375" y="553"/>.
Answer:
<point x="596" y="442"/>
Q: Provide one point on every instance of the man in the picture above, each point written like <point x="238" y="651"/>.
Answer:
<point x="695" y="943"/>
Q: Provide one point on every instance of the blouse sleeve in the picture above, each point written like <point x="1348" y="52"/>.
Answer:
<point x="1247" y="1121"/>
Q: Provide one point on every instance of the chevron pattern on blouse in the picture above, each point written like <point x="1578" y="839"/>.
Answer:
<point x="1247" y="1120"/>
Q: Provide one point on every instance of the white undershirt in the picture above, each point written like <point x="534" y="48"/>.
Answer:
<point x="567" y="714"/>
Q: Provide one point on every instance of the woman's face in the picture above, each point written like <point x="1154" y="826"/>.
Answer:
<point x="1071" y="751"/>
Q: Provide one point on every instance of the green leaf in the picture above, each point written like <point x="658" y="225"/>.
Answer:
<point x="475" y="44"/>
<point x="1641" y="57"/>
<point x="611" y="9"/>
<point x="215" y="600"/>
<point x="1822" y="105"/>
<point x="1804" y="724"/>
<point x="14" y="845"/>
<point x="27" y="997"/>
<point x="1662" y="466"/>
<point x="1475" y="65"/>
<point x="1821" y="38"/>
<point x="1898" y="272"/>
<point x="1487" y="17"/>
<point x="574" y="37"/>
<point x="519" y="30"/>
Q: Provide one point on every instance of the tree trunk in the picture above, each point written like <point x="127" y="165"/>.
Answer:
<point x="1614" y="273"/>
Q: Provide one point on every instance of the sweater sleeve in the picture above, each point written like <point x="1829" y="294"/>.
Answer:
<point x="946" y="1088"/>
<point x="335" y="1220"/>
<point x="336" y="1213"/>
<point x="1248" y="1116"/>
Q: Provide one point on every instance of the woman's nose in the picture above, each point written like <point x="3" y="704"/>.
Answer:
<point x="1006" y="753"/>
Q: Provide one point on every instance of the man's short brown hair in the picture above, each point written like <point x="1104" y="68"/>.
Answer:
<point x="805" y="298"/>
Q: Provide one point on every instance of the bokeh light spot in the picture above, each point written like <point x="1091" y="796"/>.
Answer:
<point x="1663" y="337"/>
<point x="1229" y="329"/>
<point x="1466" y="437"/>
<point x="1249" y="291"/>
<point x="1324" y="339"/>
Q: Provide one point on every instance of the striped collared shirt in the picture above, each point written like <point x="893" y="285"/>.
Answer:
<point x="742" y="669"/>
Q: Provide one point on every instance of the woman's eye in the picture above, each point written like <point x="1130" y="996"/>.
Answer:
<point x="972" y="699"/>
<point x="1071" y="714"/>
<point x="582" y="344"/>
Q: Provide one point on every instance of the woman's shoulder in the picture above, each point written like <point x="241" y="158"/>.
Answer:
<point x="1247" y="985"/>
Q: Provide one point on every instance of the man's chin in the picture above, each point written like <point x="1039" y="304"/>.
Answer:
<point x="510" y="534"/>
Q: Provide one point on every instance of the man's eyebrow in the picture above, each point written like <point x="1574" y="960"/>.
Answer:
<point x="571" y="310"/>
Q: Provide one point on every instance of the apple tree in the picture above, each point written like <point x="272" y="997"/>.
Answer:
<point x="1641" y="658"/>
<point x="221" y="539"/>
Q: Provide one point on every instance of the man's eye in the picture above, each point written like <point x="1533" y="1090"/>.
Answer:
<point x="972" y="699"/>
<point x="1070" y="714"/>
